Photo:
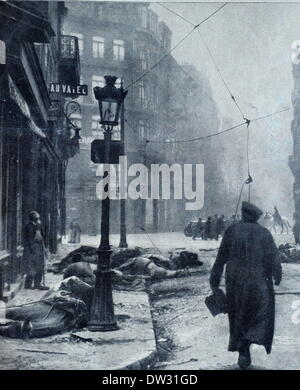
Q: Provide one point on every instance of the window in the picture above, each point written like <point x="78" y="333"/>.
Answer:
<point x="99" y="11"/>
<point x="141" y="90"/>
<point x="153" y="22"/>
<point x="144" y="58"/>
<point x="118" y="50"/>
<point x="154" y="97"/>
<point x="143" y="130"/>
<point x="144" y="13"/>
<point x="80" y="42"/>
<point x="98" y="47"/>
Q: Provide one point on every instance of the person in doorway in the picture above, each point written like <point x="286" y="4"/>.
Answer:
<point x="251" y="258"/>
<point x="34" y="257"/>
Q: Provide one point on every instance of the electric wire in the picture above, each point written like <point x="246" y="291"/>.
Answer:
<point x="217" y="133"/>
<point x="211" y="57"/>
<point x="195" y="27"/>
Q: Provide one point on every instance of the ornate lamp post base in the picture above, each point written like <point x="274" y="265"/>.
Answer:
<point x="123" y="245"/>
<point x="103" y="328"/>
<point x="123" y="242"/>
<point x="102" y="311"/>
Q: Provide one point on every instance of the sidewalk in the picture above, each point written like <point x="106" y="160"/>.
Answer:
<point x="131" y="347"/>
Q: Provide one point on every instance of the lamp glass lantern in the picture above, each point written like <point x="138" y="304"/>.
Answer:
<point x="110" y="99"/>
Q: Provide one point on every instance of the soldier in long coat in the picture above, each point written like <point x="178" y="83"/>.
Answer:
<point x="34" y="253"/>
<point x="251" y="258"/>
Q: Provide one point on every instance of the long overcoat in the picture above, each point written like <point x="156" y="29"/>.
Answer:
<point x="34" y="256"/>
<point x="251" y="258"/>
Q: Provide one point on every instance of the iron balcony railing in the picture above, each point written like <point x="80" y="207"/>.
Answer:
<point x="69" y="62"/>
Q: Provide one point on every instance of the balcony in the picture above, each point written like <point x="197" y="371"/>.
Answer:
<point x="69" y="60"/>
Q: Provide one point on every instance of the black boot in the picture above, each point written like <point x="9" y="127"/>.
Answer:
<point x="244" y="360"/>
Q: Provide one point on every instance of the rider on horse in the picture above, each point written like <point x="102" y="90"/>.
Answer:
<point x="277" y="217"/>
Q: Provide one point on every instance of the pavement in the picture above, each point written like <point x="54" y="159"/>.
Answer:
<point x="133" y="346"/>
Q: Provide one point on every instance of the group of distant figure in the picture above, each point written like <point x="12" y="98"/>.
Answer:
<point x="211" y="229"/>
<point x="214" y="227"/>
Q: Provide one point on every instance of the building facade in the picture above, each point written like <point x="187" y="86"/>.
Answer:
<point x="126" y="40"/>
<point x="34" y="141"/>
<point x="294" y="159"/>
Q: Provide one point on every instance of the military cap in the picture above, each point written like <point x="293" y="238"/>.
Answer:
<point x="252" y="210"/>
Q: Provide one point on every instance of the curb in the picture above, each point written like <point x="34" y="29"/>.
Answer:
<point x="144" y="363"/>
<point x="148" y="360"/>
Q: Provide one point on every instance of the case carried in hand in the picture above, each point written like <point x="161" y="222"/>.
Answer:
<point x="217" y="303"/>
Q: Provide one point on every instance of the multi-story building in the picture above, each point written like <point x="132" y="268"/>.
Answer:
<point x="294" y="159"/>
<point x="123" y="39"/>
<point x="34" y="140"/>
<point x="126" y="40"/>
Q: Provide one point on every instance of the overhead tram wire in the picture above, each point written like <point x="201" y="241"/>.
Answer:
<point x="247" y="121"/>
<point x="211" y="57"/>
<point x="177" y="14"/>
<point x="195" y="27"/>
<point x="219" y="132"/>
<point x="249" y="180"/>
<point x="221" y="76"/>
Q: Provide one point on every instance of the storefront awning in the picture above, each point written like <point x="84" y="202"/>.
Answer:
<point x="17" y="97"/>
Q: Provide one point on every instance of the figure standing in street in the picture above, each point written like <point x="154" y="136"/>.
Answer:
<point x="220" y="226"/>
<point x="251" y="258"/>
<point x="207" y="229"/>
<point x="197" y="229"/>
<point x="75" y="232"/>
<point x="214" y="227"/>
<point x="34" y="253"/>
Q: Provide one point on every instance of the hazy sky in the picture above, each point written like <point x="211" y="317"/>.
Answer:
<point x="251" y="44"/>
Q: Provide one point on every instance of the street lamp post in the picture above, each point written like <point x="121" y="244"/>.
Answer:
<point x="123" y="240"/>
<point x="102" y="316"/>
